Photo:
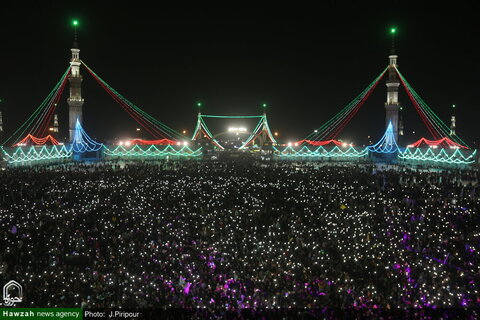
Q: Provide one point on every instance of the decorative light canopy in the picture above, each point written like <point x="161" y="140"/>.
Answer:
<point x="387" y="143"/>
<point x="82" y="142"/>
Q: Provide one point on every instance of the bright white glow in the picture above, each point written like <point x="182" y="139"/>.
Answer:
<point x="344" y="144"/>
<point x="120" y="143"/>
<point x="185" y="143"/>
<point x="237" y="129"/>
<point x="178" y="143"/>
<point x="127" y="143"/>
<point x="289" y="144"/>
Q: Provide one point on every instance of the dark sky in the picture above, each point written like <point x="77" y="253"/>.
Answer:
<point x="306" y="62"/>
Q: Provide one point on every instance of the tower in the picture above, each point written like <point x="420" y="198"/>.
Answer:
<point x="55" y="124"/>
<point x="392" y="106"/>
<point x="1" y="118"/>
<point x="1" y="123"/>
<point x="400" y="124"/>
<point x="75" y="101"/>
<point x="453" y="122"/>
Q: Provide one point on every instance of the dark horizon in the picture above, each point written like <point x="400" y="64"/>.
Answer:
<point x="305" y="63"/>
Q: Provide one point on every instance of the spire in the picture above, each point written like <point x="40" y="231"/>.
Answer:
<point x="393" y="31"/>
<point x="75" y="39"/>
<point x="453" y="122"/>
<point x="264" y="108"/>
<point x="199" y="107"/>
<point x="1" y="117"/>
<point x="55" y="123"/>
<point x="393" y="57"/>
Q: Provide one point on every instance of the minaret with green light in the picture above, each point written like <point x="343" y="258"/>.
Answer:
<point x="75" y="101"/>
<point x="392" y="106"/>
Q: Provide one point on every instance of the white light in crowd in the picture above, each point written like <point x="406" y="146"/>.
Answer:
<point x="344" y="144"/>
<point x="185" y="143"/>
<point x="289" y="144"/>
<point x="127" y="143"/>
<point x="235" y="129"/>
<point x="178" y="143"/>
<point x="120" y="143"/>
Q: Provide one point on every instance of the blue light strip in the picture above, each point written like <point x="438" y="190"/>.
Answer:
<point x="387" y="143"/>
<point x="82" y="142"/>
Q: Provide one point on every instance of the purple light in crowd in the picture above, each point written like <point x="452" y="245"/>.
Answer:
<point x="187" y="288"/>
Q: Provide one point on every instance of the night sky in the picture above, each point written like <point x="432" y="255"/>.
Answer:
<point x="307" y="63"/>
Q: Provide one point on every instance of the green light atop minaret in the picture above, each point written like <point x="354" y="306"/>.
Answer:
<point x="75" y="22"/>
<point x="393" y="30"/>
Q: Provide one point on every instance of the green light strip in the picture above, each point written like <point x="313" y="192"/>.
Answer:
<point x="152" y="151"/>
<point x="456" y="157"/>
<point x="196" y="128"/>
<point x="268" y="130"/>
<point x="34" y="155"/>
<point x="32" y="117"/>
<point x="326" y="127"/>
<point x="162" y="127"/>
<point x="253" y="134"/>
<point x="321" y="152"/>
<point x="205" y="128"/>
<point x="428" y="113"/>
<point x="433" y="116"/>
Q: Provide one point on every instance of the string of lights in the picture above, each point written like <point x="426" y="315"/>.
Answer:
<point x="441" y="155"/>
<point x="155" y="142"/>
<point x="82" y="142"/>
<point x="154" y="126"/>
<point x="34" y="154"/>
<point x="37" y="141"/>
<point x="39" y="113"/>
<point x="319" y="143"/>
<point x="342" y="115"/>
<point x="441" y="129"/>
<point x="386" y="144"/>
<point x="152" y="151"/>
<point x="444" y="142"/>
<point x="321" y="152"/>
<point x="262" y="126"/>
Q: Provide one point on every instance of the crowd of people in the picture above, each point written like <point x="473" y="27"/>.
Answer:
<point x="240" y="235"/>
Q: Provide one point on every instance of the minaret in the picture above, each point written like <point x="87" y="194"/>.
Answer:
<point x="392" y="106"/>
<point x="453" y="122"/>
<point x="55" y="123"/>
<point x="1" y="118"/>
<point x="400" y="123"/>
<point x="75" y="101"/>
<point x="1" y="123"/>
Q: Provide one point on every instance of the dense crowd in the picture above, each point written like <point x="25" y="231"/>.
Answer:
<point x="234" y="235"/>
